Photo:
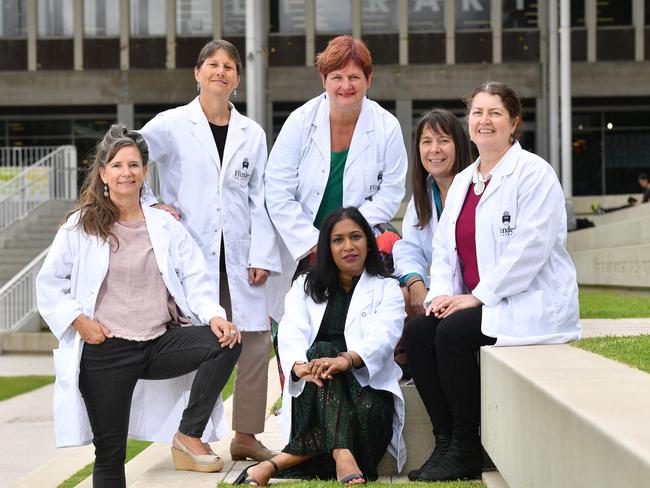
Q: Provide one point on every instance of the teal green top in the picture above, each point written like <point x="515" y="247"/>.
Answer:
<point x="436" y="198"/>
<point x="333" y="195"/>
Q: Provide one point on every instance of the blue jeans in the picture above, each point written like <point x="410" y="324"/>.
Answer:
<point x="110" y="370"/>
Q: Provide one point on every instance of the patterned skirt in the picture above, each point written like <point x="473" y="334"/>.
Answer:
<point x="340" y="414"/>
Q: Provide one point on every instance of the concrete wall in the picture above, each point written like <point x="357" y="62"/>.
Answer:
<point x="390" y="82"/>
<point x="560" y="417"/>
<point x="616" y="252"/>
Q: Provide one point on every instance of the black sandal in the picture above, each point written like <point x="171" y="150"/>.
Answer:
<point x="353" y="476"/>
<point x="243" y="478"/>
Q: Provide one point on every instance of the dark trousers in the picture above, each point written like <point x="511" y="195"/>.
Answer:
<point x="442" y="360"/>
<point x="110" y="370"/>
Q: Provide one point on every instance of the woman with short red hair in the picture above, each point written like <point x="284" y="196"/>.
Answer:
<point x="339" y="149"/>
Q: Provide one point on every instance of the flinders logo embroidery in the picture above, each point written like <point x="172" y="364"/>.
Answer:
<point x="380" y="176"/>
<point x="506" y="230"/>
<point x="242" y="175"/>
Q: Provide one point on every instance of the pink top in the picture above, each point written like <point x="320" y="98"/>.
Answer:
<point x="133" y="302"/>
<point x="466" y="239"/>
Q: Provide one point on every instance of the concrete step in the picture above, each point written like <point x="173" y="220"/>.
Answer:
<point x="39" y="243"/>
<point x="558" y="416"/>
<point x="27" y="342"/>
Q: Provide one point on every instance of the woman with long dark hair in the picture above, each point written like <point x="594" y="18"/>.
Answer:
<point x="342" y="406"/>
<point x="500" y="275"/>
<point x="116" y="284"/>
<point x="440" y="152"/>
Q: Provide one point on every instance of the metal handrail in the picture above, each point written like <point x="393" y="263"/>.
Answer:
<point x="53" y="177"/>
<point x="18" y="296"/>
<point x="21" y="156"/>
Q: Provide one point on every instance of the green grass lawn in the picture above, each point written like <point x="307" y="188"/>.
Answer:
<point x="11" y="386"/>
<point x="133" y="447"/>
<point x="633" y="351"/>
<point x="612" y="305"/>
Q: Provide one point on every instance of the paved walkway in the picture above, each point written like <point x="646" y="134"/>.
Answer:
<point x="27" y="440"/>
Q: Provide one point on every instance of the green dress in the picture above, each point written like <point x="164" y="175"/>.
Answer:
<point x="341" y="414"/>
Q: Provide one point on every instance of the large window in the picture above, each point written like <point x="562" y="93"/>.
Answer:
<point x="610" y="147"/>
<point x="520" y="31"/>
<point x="13" y="18"/>
<point x="291" y="17"/>
<point x="55" y="18"/>
<point x="148" y="18"/>
<point x="101" y="18"/>
<point x="379" y="16"/>
<point x="193" y="18"/>
<point x="333" y="17"/>
<point x="615" y="36"/>
<point x="473" y="33"/>
<point x="234" y="17"/>
<point x="426" y="16"/>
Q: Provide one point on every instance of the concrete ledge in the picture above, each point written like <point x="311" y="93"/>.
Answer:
<point x="558" y="416"/>
<point x="582" y="204"/>
<point x="417" y="435"/>
<point x="21" y="342"/>
<point x="630" y="229"/>
<point x="626" y="266"/>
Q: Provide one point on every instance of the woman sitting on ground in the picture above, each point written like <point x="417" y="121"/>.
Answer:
<point x="116" y="283"/>
<point x="342" y="406"/>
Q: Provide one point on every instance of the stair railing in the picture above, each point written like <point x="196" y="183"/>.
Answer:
<point x="18" y="296"/>
<point x="52" y="177"/>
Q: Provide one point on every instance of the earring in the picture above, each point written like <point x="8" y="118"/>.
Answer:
<point x="105" y="190"/>
<point x="198" y="87"/>
<point x="234" y="93"/>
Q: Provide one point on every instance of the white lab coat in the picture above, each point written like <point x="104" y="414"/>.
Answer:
<point x="67" y="286"/>
<point x="216" y="197"/>
<point x="298" y="170"/>
<point x="412" y="253"/>
<point x="527" y="280"/>
<point x="372" y="328"/>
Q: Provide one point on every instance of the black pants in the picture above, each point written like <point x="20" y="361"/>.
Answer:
<point x="442" y="360"/>
<point x="110" y="370"/>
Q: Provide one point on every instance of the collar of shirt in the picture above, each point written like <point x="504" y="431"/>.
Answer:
<point x="479" y="180"/>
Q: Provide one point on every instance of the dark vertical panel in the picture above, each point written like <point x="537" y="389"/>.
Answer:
<point x="101" y="53"/>
<point x="13" y="54"/>
<point x="54" y="54"/>
<point x="427" y="48"/>
<point x="474" y="47"/>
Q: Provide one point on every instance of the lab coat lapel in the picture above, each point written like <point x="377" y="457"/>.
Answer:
<point x="361" y="136"/>
<point x="158" y="236"/>
<point x="316" y="312"/>
<point x="235" y="138"/>
<point x="361" y="299"/>
<point x="321" y="134"/>
<point x="200" y="130"/>
<point x="506" y="167"/>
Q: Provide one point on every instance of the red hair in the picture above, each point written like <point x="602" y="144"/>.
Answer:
<point x="340" y="51"/>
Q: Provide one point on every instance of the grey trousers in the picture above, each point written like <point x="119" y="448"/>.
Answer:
<point x="251" y="378"/>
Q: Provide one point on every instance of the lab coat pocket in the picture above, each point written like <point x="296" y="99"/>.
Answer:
<point x="66" y="368"/>
<point x="372" y="175"/>
<point x="532" y="313"/>
<point x="240" y="255"/>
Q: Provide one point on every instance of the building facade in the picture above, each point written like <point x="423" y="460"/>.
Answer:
<point x="70" y="68"/>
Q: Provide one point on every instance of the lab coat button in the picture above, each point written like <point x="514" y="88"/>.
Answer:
<point x="363" y="314"/>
